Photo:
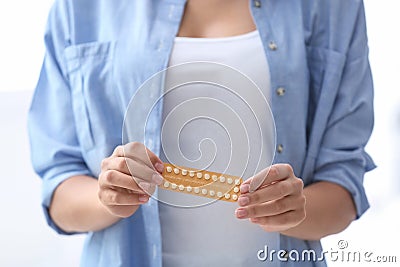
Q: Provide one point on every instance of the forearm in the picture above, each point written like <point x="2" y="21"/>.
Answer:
<point x="75" y="206"/>
<point x="329" y="208"/>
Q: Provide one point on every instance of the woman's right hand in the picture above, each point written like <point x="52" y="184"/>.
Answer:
<point x="128" y="178"/>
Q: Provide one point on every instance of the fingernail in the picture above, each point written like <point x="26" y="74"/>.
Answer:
<point x="241" y="213"/>
<point x="145" y="186"/>
<point x="157" y="179"/>
<point x="244" y="188"/>
<point x="243" y="201"/>
<point x="143" y="198"/>
<point x="159" y="167"/>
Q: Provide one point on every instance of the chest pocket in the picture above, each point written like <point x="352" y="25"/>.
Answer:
<point x="95" y="98"/>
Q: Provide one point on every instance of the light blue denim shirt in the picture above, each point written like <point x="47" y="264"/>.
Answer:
<point x="100" y="51"/>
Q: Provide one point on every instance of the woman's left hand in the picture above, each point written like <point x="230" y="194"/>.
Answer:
<point x="278" y="204"/>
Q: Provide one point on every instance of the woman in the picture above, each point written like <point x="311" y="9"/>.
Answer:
<point x="317" y="76"/>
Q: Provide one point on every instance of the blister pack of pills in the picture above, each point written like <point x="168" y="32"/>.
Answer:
<point x="201" y="183"/>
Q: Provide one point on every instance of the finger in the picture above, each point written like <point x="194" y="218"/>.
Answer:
<point x="268" y="176"/>
<point x="138" y="151"/>
<point x="144" y="189"/>
<point x="136" y="169"/>
<point x="112" y="178"/>
<point x="270" y="208"/>
<point x="142" y="172"/>
<point x="280" y="222"/>
<point x="118" y="151"/>
<point x="116" y="163"/>
<point x="112" y="197"/>
<point x="268" y="193"/>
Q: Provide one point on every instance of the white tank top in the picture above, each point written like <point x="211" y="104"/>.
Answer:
<point x="211" y="235"/>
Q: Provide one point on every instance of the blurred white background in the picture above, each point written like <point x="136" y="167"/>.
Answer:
<point x="25" y="239"/>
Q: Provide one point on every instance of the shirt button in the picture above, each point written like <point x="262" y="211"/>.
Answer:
<point x="272" y="46"/>
<point x="280" y="91"/>
<point x="257" y="3"/>
<point x="279" y="149"/>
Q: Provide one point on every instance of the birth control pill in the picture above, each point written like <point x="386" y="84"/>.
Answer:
<point x="214" y="185"/>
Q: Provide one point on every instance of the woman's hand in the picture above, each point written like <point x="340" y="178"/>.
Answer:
<point x="278" y="204"/>
<point x="128" y="177"/>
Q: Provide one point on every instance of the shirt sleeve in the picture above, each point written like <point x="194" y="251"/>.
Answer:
<point x="341" y="158"/>
<point x="55" y="151"/>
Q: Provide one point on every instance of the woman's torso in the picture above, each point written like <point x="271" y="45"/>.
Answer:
<point x="105" y="64"/>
